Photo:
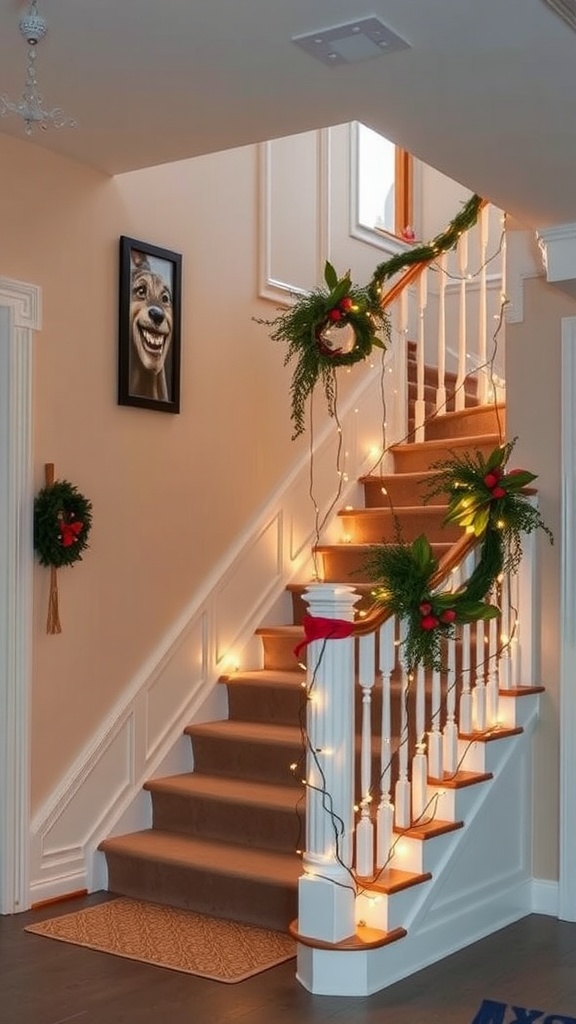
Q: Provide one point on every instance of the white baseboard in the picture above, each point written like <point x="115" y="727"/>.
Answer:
<point x="545" y="897"/>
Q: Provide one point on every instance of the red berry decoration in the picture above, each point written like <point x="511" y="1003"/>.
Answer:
<point x="490" y="480"/>
<point x="346" y="304"/>
<point x="448" y="616"/>
<point x="429" y="622"/>
<point x="334" y="315"/>
<point x="498" y="492"/>
<point x="425" y="608"/>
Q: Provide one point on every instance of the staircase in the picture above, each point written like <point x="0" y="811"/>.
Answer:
<point x="224" y="836"/>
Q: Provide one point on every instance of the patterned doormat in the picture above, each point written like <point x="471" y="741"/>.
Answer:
<point x="180" y="940"/>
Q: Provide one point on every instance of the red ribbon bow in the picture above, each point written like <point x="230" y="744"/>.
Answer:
<point x="318" y="628"/>
<point x="69" y="533"/>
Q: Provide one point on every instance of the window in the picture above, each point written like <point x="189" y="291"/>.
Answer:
<point x="384" y="184"/>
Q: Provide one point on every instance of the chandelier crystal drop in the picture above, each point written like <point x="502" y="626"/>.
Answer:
<point x="30" y="107"/>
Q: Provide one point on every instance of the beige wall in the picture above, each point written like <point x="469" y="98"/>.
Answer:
<point x="170" y="493"/>
<point x="533" y="413"/>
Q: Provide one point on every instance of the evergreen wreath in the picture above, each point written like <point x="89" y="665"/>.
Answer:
<point x="306" y="327"/>
<point x="305" y="324"/>
<point x="405" y="574"/>
<point x="62" y="523"/>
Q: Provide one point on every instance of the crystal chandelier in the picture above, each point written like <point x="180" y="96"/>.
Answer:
<point x="33" y="28"/>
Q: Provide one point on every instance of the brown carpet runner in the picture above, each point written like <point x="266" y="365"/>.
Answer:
<point x="179" y="940"/>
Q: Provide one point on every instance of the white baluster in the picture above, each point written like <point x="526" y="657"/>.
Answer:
<point x="492" y="696"/>
<point x="420" y="405"/>
<point x="465" y="713"/>
<point x="326" y="890"/>
<point x="420" y="761"/>
<point x="441" y="389"/>
<point x="450" y="746"/>
<point x="365" y="828"/>
<point x="402" y="789"/>
<point x="505" y="663"/>
<point x="435" y="735"/>
<point x="479" y="692"/>
<point x="385" y="819"/>
<point x="483" y="305"/>
<point x="461" y="372"/>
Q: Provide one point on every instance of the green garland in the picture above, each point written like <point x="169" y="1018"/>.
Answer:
<point x="405" y="574"/>
<point x="486" y="499"/>
<point x="306" y="326"/>
<point x="443" y="242"/>
<point x="303" y="327"/>
<point x="62" y="523"/>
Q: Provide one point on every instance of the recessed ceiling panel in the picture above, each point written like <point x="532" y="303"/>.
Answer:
<point x="347" y="44"/>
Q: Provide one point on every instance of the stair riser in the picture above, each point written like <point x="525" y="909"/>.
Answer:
<point x="411" y="461"/>
<point x="256" y="703"/>
<point x="259" y="827"/>
<point x="467" y="423"/>
<point x="455" y="804"/>
<point x="260" y="762"/>
<point x="204" y="891"/>
<point x="344" y="565"/>
<point x="400" y="491"/>
<point x="420" y="856"/>
<point x="381" y="526"/>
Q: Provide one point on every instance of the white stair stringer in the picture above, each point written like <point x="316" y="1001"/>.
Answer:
<point x="480" y="882"/>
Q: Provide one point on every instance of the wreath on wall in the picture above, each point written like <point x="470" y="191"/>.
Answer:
<point x="332" y="326"/>
<point x="338" y="325"/>
<point x="62" y="524"/>
<point x="488" y="500"/>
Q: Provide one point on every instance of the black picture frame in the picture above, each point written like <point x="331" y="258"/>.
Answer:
<point x="149" y="333"/>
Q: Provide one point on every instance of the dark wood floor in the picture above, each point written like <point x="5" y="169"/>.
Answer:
<point x="529" y="964"/>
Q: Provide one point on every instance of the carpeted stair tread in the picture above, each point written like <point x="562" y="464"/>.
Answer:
<point x="248" y="732"/>
<point x="188" y="852"/>
<point x="256" y="794"/>
<point x="278" y="679"/>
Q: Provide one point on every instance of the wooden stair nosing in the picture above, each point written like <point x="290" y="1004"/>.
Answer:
<point x="391" y="880"/>
<point x="365" y="938"/>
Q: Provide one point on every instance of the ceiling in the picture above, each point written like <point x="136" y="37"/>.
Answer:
<point x="485" y="91"/>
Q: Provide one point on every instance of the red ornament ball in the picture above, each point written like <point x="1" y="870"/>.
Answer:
<point x="425" y="608"/>
<point x="429" y="622"/>
<point x="498" y="492"/>
<point x="448" y="616"/>
<point x="334" y="315"/>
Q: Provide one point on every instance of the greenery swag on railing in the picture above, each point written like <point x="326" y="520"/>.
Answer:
<point x="492" y="503"/>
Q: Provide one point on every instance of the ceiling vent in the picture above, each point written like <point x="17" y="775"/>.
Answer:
<point x="348" y="44"/>
<point x="566" y="9"/>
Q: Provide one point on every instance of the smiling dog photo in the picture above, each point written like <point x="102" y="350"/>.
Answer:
<point x="149" y="334"/>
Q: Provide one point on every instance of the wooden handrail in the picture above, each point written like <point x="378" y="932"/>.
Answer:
<point x="412" y="274"/>
<point x="378" y="616"/>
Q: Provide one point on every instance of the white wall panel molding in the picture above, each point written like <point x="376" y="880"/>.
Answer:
<point x="177" y="681"/>
<point x="293" y="241"/>
<point x="567" y="555"/>
<point x="522" y="263"/>
<point x="19" y="317"/>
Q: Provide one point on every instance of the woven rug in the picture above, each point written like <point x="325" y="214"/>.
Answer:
<point x="180" y="940"/>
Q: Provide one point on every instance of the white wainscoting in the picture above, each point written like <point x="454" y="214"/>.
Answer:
<point x="102" y="792"/>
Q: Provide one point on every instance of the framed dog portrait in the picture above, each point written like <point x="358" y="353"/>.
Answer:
<point x="149" y="329"/>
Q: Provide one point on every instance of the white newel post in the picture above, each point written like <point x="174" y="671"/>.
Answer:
<point x="326" y="894"/>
